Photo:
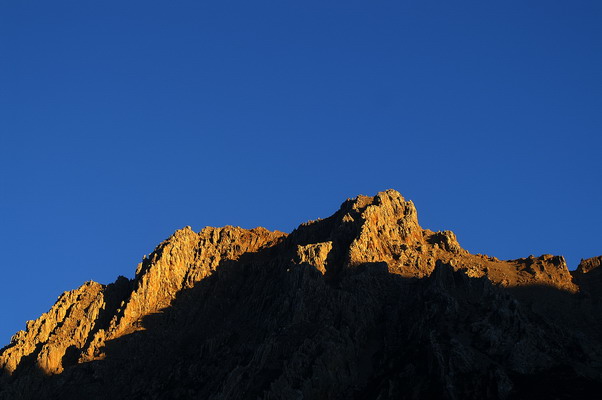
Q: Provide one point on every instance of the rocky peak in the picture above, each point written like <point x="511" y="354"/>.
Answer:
<point x="82" y="320"/>
<point x="343" y="302"/>
<point x="364" y="229"/>
<point x="588" y="265"/>
<point x="388" y="223"/>
<point x="182" y="260"/>
<point x="588" y="276"/>
<point x="387" y="208"/>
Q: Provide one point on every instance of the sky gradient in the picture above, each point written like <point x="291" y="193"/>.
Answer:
<point x="121" y="122"/>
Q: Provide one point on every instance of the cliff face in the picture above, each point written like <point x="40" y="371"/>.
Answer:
<point x="364" y="304"/>
<point x="81" y="321"/>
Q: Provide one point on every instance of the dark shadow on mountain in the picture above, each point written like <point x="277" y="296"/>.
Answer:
<point x="264" y="327"/>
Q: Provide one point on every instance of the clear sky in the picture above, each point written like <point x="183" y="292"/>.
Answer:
<point x="121" y="121"/>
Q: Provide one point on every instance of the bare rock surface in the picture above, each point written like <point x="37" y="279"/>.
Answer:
<point x="364" y="304"/>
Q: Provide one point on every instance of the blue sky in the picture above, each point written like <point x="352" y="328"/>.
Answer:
<point x="123" y="121"/>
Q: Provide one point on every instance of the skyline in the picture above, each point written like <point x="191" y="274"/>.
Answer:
<point x="120" y="123"/>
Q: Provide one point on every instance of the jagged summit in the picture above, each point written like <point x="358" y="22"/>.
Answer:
<point x="589" y="264"/>
<point x="362" y="304"/>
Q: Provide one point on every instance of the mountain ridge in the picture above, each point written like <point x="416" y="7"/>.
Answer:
<point x="369" y="243"/>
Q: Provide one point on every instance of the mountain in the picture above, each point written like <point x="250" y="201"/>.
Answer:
<point x="364" y="304"/>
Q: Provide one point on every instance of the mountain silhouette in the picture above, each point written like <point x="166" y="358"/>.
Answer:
<point x="364" y="304"/>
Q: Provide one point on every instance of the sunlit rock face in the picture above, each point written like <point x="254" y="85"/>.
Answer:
<point x="364" y="304"/>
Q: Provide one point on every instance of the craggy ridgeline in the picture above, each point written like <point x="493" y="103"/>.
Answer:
<point x="364" y="304"/>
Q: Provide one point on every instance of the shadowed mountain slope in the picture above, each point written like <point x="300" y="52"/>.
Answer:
<point x="364" y="304"/>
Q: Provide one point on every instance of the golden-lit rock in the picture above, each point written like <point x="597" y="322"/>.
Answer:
<point x="362" y="304"/>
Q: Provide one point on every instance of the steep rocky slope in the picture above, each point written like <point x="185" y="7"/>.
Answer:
<point x="364" y="304"/>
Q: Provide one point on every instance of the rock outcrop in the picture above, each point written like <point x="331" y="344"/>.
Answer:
<point x="364" y="304"/>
